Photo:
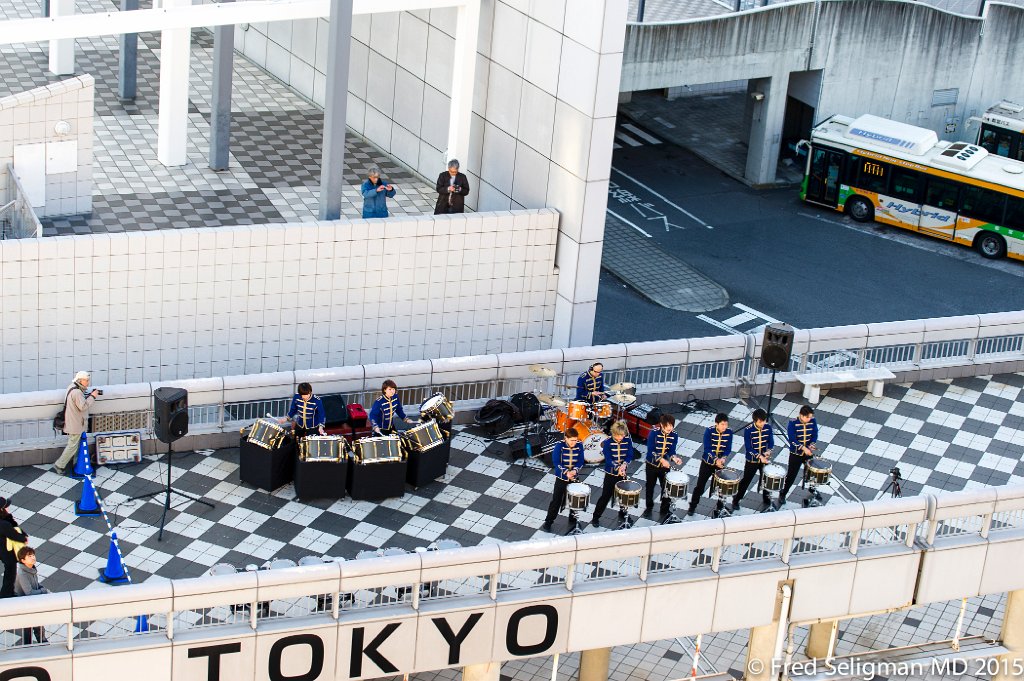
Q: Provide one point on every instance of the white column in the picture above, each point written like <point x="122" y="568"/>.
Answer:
<point x="175" y="51"/>
<point x="490" y="671"/>
<point x="62" y="52"/>
<point x="768" y="112"/>
<point x="594" y="664"/>
<point x="1012" y="662"/>
<point x="463" y="79"/>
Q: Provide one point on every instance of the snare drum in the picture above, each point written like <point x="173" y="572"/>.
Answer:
<point x="267" y="434"/>
<point x="368" y="553"/>
<point x="222" y="569"/>
<point x="774" y="478"/>
<point x="423" y="437"/>
<point x="280" y="563"/>
<point x="443" y="544"/>
<point x="627" y="493"/>
<point x="592" y="452"/>
<point x="437" y="407"/>
<point x="563" y="422"/>
<point x="378" y="449"/>
<point x="393" y="551"/>
<point x="819" y="471"/>
<point x="603" y="410"/>
<point x="330" y="448"/>
<point x="676" y="484"/>
<point x="577" y="496"/>
<point x="577" y="410"/>
<point x="726" y="482"/>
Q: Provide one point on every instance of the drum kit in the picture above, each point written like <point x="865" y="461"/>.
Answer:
<point x="588" y="419"/>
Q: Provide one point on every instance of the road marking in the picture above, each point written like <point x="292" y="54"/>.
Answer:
<point x="611" y="212"/>
<point x="641" y="134"/>
<point x="747" y="314"/>
<point x="681" y="210"/>
<point x="665" y="123"/>
<point x="718" y="324"/>
<point x="756" y="313"/>
<point x="627" y="139"/>
<point x="741" y="318"/>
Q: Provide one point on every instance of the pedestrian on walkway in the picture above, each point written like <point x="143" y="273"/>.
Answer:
<point x="27" y="584"/>
<point x="79" y="399"/>
<point x="376" y="193"/>
<point x="12" y="539"/>
<point x="452" y="190"/>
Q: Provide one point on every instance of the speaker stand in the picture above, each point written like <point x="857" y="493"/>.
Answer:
<point x="167" y="492"/>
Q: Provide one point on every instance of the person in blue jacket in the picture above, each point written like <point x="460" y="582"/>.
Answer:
<point x="717" y="447"/>
<point x="802" y="434"/>
<point x="376" y="193"/>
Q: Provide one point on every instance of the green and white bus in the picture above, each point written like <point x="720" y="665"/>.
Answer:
<point x="873" y="168"/>
<point x="1002" y="130"/>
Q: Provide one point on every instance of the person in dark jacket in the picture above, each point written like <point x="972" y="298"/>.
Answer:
<point x="27" y="584"/>
<point x="9" y="532"/>
<point x="376" y="193"/>
<point x="452" y="190"/>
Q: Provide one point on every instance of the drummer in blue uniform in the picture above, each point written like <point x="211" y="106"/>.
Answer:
<point x="717" y="446"/>
<point x="618" y="452"/>
<point x="758" y="441"/>
<point x="661" y="454"/>
<point x="567" y="458"/>
<point x="803" y="436"/>
<point x="307" y="412"/>
<point x="590" y="384"/>
<point x="386" y="414"/>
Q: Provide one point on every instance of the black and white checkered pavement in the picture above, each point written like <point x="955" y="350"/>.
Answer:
<point x="944" y="435"/>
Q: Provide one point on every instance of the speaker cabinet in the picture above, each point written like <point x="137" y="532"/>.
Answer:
<point x="170" y="414"/>
<point x="777" y="346"/>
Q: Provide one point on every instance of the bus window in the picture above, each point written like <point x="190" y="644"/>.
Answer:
<point x="1014" y="213"/>
<point x="988" y="140"/>
<point x="942" y="194"/>
<point x="872" y="176"/>
<point x="982" y="204"/>
<point x="905" y="185"/>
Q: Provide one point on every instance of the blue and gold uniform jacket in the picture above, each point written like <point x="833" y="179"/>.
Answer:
<point x="586" y="385"/>
<point x="801" y="434"/>
<point x="716" y="444"/>
<point x="566" y="458"/>
<point x="384" y="411"/>
<point x="661" y="446"/>
<point x="307" y="414"/>
<point x="758" y="441"/>
<point x="616" y="454"/>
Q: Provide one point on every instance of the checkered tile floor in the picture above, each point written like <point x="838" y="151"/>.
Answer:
<point x="276" y="138"/>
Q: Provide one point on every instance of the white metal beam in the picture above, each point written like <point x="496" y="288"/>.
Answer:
<point x="467" y="32"/>
<point x="62" y="52"/>
<point x="172" y="112"/>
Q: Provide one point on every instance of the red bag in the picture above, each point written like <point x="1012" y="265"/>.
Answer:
<point x="356" y="416"/>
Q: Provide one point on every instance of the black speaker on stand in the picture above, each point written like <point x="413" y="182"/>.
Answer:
<point x="170" y="422"/>
<point x="776" y="348"/>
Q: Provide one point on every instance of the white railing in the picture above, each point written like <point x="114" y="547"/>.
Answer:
<point x="20" y="221"/>
<point x="661" y="370"/>
<point x="741" y="550"/>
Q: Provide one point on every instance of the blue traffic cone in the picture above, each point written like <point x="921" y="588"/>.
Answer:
<point x="83" y="465"/>
<point x="87" y="505"/>
<point x="141" y="624"/>
<point x="114" y="572"/>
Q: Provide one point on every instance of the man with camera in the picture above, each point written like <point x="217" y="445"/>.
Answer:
<point x="77" y="402"/>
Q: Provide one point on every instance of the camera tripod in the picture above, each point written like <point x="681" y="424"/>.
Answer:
<point x="894" y="488"/>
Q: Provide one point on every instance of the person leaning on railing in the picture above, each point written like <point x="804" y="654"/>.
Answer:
<point x="76" y="414"/>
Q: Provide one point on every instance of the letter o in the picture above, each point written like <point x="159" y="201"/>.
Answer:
<point x="35" y="673"/>
<point x="550" y="615"/>
<point x="316" y="664"/>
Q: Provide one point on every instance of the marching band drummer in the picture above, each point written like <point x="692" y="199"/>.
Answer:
<point x="590" y="384"/>
<point x="387" y="410"/>
<point x="717" y="445"/>
<point x="307" y="412"/>
<point x="661" y="454"/>
<point x="758" y="441"/>
<point x="618" y="452"/>
<point x="567" y="457"/>
<point x="803" y="434"/>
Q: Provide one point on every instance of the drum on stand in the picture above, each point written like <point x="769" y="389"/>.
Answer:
<point x="603" y="410"/>
<point x="267" y="434"/>
<point x="726" y="482"/>
<point x="577" y="496"/>
<point x="331" y="448"/>
<point x="584" y="429"/>
<point x="423" y="437"/>
<point x="563" y="422"/>
<point x="676" y="484"/>
<point x="438" y="408"/>
<point x="378" y="449"/>
<point x="592" y="452"/>
<point x="774" y="478"/>
<point x="578" y="410"/>
<point x="819" y="471"/>
<point x="627" y="493"/>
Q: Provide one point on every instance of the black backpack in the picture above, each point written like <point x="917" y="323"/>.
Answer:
<point x="59" y="421"/>
<point x="528" y="407"/>
<point x="496" y="417"/>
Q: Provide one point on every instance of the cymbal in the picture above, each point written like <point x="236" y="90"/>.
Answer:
<point x="621" y="400"/>
<point x="543" y="372"/>
<point x="551" y="400"/>
<point x="622" y="387"/>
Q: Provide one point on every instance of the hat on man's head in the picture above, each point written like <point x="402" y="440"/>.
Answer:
<point x="4" y="503"/>
<point x="82" y="376"/>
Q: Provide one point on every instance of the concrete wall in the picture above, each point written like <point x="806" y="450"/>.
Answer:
<point x="876" y="56"/>
<point x="55" y="170"/>
<point x="543" y="120"/>
<point x="173" y="304"/>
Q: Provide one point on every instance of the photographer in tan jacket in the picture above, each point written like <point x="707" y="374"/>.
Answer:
<point x="76" y="415"/>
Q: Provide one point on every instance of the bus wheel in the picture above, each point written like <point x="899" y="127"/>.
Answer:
<point x="990" y="245"/>
<point x="860" y="209"/>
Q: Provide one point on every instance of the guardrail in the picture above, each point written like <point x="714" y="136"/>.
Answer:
<point x="715" y="366"/>
<point x="841" y="560"/>
<point x="21" y="219"/>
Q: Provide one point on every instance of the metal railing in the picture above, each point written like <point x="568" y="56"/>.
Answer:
<point x="20" y="221"/>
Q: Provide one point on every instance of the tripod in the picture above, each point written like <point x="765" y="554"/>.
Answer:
<point x="894" y="487"/>
<point x="168" y="491"/>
